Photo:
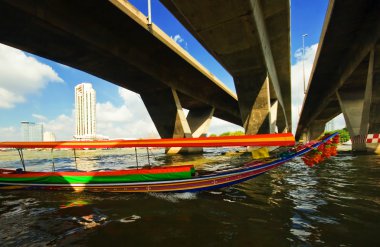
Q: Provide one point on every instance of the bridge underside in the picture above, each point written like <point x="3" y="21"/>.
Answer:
<point x="99" y="38"/>
<point x="346" y="73"/>
<point x="251" y="39"/>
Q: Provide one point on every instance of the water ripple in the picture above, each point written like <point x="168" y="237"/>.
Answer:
<point x="333" y="204"/>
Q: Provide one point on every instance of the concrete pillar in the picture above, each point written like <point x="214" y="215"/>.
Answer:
<point x="248" y="87"/>
<point x="374" y="115"/>
<point x="262" y="32"/>
<point x="304" y="137"/>
<point x="165" y="109"/>
<point x="281" y="121"/>
<point x="315" y="130"/>
<point x="199" y="121"/>
<point x="258" y="120"/>
<point x="355" y="105"/>
<point x="162" y="109"/>
<point x="182" y="128"/>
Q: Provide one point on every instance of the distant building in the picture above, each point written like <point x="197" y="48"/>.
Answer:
<point x="49" y="136"/>
<point x="85" y="112"/>
<point x="32" y="132"/>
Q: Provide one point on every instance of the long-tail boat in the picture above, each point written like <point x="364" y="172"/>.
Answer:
<point x="182" y="178"/>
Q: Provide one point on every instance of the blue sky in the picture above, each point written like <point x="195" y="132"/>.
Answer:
<point x="44" y="92"/>
<point x="307" y="17"/>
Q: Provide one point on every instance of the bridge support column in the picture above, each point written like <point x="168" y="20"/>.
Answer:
<point x="259" y="21"/>
<point x="374" y="115"/>
<point x="258" y="119"/>
<point x="199" y="121"/>
<point x="165" y="109"/>
<point x="355" y="105"/>
<point x="315" y="130"/>
<point x="281" y="122"/>
<point x="304" y="138"/>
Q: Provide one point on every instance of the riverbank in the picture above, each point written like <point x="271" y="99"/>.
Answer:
<point x="344" y="148"/>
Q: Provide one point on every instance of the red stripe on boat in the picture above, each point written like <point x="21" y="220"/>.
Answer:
<point x="155" y="170"/>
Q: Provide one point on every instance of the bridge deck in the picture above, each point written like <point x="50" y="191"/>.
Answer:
<point x="111" y="41"/>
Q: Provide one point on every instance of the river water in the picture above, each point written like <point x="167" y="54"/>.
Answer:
<point x="336" y="203"/>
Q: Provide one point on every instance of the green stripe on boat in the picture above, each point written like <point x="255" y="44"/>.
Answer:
<point x="101" y="179"/>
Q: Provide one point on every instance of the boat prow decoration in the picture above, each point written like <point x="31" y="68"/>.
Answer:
<point x="160" y="179"/>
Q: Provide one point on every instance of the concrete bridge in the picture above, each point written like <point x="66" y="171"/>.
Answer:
<point x="251" y="39"/>
<point x="114" y="41"/>
<point x="346" y="73"/>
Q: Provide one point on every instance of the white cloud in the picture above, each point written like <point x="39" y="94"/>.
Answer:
<point x="179" y="40"/>
<point x="40" y="118"/>
<point x="298" y="86"/>
<point x="107" y="112"/>
<point x="8" y="98"/>
<point x="136" y="121"/>
<point x="21" y="75"/>
<point x="62" y="126"/>
<point x="130" y="120"/>
<point x="218" y="126"/>
<point x="337" y="123"/>
<point x="10" y="134"/>
<point x="297" y="80"/>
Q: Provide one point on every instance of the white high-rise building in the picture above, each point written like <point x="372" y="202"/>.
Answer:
<point x="32" y="132"/>
<point x="85" y="112"/>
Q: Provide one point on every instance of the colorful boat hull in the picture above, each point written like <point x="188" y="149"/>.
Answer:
<point x="191" y="184"/>
<point x="173" y="184"/>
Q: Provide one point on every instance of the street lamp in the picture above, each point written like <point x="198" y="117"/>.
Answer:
<point x="303" y="61"/>
<point x="149" y="13"/>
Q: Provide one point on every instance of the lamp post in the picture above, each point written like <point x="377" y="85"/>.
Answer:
<point x="149" y="13"/>
<point x="303" y="61"/>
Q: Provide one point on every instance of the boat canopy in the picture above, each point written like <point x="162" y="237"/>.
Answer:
<point x="285" y="139"/>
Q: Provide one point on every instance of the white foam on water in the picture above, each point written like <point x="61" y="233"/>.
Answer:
<point x="175" y="197"/>
<point x="215" y="192"/>
<point x="130" y="219"/>
<point x="228" y="200"/>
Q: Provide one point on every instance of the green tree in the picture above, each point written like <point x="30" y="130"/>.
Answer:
<point x="237" y="133"/>
<point x="228" y="133"/>
<point x="344" y="135"/>
<point x="232" y="133"/>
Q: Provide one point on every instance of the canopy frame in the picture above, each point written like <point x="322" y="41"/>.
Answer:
<point x="19" y="150"/>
